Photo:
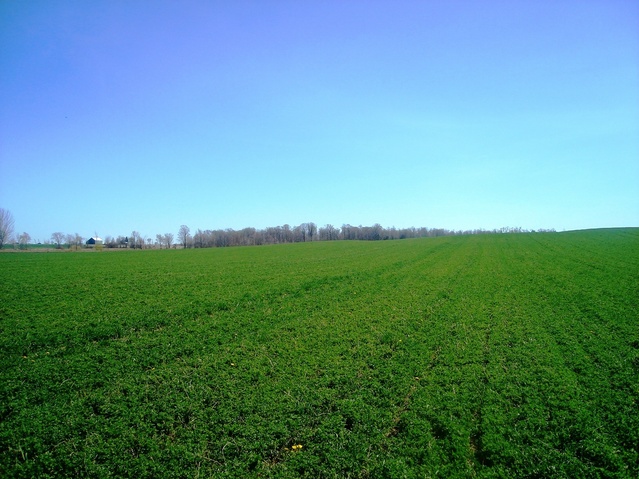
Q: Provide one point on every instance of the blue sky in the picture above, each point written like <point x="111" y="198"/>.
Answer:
<point x="118" y="116"/>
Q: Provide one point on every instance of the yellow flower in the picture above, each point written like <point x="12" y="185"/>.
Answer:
<point x="296" y="447"/>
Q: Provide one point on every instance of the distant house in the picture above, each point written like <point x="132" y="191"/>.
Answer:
<point x="94" y="241"/>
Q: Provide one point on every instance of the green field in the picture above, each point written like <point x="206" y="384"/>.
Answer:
<point x="512" y="355"/>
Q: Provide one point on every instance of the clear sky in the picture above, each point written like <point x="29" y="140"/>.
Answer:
<point x="144" y="115"/>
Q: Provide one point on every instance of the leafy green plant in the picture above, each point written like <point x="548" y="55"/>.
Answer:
<point x="487" y="356"/>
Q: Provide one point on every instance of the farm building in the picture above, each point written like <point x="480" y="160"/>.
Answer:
<point x="94" y="240"/>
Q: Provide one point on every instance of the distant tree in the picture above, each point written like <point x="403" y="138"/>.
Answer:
<point x="135" y="241"/>
<point x="168" y="240"/>
<point x="272" y="234"/>
<point x="110" y="242"/>
<point x="58" y="238"/>
<point x="184" y="236"/>
<point x="348" y="232"/>
<point x="209" y="238"/>
<point x="328" y="233"/>
<point x="159" y="239"/>
<point x="247" y="237"/>
<point x="259" y="238"/>
<point x="311" y="229"/>
<point x="375" y="232"/>
<point x="286" y="234"/>
<point x="198" y="239"/>
<point x="299" y="234"/>
<point x="6" y="226"/>
<point x="23" y="240"/>
<point x="74" y="240"/>
<point x="77" y="240"/>
<point x="221" y="239"/>
<point x="305" y="232"/>
<point x="391" y="233"/>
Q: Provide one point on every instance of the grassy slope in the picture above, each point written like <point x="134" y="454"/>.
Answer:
<point x="487" y="356"/>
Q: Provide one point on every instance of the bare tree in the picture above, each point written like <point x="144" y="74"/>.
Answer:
<point x="198" y="239"/>
<point x="286" y="234"/>
<point x="76" y="241"/>
<point x="6" y="226"/>
<point x="23" y="240"/>
<point x="299" y="233"/>
<point x="168" y="240"/>
<point x="375" y="232"/>
<point x="135" y="240"/>
<point x="311" y="229"/>
<point x="57" y="238"/>
<point x="328" y="233"/>
<point x="348" y="232"/>
<point x="183" y="235"/>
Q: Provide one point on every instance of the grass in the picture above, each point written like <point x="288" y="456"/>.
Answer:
<point x="474" y="356"/>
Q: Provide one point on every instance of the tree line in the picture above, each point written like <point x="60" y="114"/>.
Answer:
<point x="220" y="238"/>
<point x="305" y="232"/>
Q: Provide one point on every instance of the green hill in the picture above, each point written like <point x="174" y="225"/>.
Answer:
<point x="498" y="355"/>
